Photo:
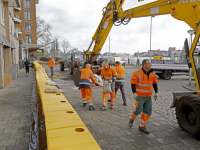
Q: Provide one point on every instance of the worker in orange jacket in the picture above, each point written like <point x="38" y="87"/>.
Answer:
<point x="120" y="81"/>
<point x="84" y="85"/>
<point x="108" y="74"/>
<point x="51" y="64"/>
<point x="143" y="82"/>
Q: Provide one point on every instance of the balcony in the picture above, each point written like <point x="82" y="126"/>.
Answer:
<point x="17" y="18"/>
<point x="18" y="30"/>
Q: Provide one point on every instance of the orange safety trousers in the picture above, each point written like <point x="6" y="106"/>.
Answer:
<point x="105" y="97"/>
<point x="142" y="104"/>
<point x="87" y="96"/>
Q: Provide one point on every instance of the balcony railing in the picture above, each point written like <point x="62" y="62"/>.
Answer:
<point x="17" y="18"/>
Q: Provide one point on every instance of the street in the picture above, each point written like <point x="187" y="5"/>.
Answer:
<point x="110" y="128"/>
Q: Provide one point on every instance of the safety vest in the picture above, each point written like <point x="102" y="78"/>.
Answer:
<point x="144" y="85"/>
<point x="120" y="75"/>
<point x="86" y="75"/>
<point x="109" y="73"/>
<point x="51" y="62"/>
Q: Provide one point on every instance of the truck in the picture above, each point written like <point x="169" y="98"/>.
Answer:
<point x="72" y="60"/>
<point x="187" y="104"/>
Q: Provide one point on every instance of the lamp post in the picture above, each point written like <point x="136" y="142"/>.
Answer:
<point x="190" y="73"/>
<point x="27" y="46"/>
<point x="150" y="36"/>
<point x="109" y="45"/>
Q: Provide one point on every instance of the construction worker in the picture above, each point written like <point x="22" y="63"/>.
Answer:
<point x="108" y="74"/>
<point x="120" y="81"/>
<point x="51" y="64"/>
<point x="84" y="83"/>
<point x="143" y="82"/>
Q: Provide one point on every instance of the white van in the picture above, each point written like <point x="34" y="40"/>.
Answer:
<point x="112" y="60"/>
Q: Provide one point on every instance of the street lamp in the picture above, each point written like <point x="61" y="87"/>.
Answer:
<point x="191" y="32"/>
<point x="190" y="73"/>
<point x="109" y="45"/>
<point x="150" y="36"/>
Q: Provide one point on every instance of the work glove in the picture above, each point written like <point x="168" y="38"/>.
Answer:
<point x="110" y="81"/>
<point x="113" y="79"/>
<point x="155" y="96"/>
<point x="135" y="96"/>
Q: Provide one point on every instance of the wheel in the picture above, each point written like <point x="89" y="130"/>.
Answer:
<point x="74" y="70"/>
<point x="61" y="67"/>
<point x="188" y="115"/>
<point x="167" y="75"/>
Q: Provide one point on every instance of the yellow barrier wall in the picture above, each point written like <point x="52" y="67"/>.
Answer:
<point x="64" y="128"/>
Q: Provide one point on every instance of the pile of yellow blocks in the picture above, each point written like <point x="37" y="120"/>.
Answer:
<point x="64" y="128"/>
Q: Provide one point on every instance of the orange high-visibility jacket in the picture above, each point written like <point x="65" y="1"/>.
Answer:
<point x="120" y="75"/>
<point x="109" y="73"/>
<point x="86" y="75"/>
<point x="51" y="62"/>
<point x="144" y="85"/>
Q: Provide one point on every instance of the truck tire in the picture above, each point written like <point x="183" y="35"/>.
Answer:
<point x="61" y="67"/>
<point x="188" y="115"/>
<point x="167" y="75"/>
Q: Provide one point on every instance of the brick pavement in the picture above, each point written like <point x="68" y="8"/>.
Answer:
<point x="15" y="112"/>
<point x="110" y="128"/>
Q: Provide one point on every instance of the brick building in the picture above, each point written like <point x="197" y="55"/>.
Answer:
<point x="27" y="28"/>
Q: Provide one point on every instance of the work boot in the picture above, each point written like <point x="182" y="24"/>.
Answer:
<point x="130" y="123"/>
<point x="109" y="100"/>
<point x="91" y="108"/>
<point x="124" y="104"/>
<point x="112" y="107"/>
<point x="103" y="108"/>
<point x="84" y="104"/>
<point x="144" y="129"/>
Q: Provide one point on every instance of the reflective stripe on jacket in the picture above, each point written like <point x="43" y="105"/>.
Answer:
<point x="144" y="85"/>
<point x="51" y="62"/>
<point x="108" y="73"/>
<point x="120" y="75"/>
<point x="86" y="75"/>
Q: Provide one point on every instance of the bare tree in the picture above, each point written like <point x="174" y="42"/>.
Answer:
<point x="43" y="32"/>
<point x="65" y="45"/>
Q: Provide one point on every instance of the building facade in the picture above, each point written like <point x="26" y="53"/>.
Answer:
<point x="9" y="41"/>
<point x="27" y="29"/>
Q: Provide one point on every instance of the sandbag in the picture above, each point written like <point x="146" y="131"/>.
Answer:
<point x="107" y="87"/>
<point x="98" y="80"/>
<point x="51" y="83"/>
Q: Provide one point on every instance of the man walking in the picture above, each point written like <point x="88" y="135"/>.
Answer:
<point x="84" y="85"/>
<point x="108" y="74"/>
<point x="143" y="82"/>
<point x="27" y="63"/>
<point x="120" y="81"/>
<point x="51" y="64"/>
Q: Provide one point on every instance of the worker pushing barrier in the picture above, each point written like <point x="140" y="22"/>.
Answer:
<point x="85" y="87"/>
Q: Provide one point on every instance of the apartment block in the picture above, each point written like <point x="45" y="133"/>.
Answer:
<point x="27" y="29"/>
<point x="9" y="41"/>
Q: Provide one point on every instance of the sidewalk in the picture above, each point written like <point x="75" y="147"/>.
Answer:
<point x="15" y="112"/>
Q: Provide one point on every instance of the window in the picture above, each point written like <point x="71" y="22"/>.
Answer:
<point x="27" y="26"/>
<point x="28" y="38"/>
<point x="27" y="14"/>
<point x="27" y="3"/>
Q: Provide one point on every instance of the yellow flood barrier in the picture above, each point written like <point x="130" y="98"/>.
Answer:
<point x="64" y="128"/>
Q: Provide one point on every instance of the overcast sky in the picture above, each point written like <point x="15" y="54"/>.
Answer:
<point x="77" y="21"/>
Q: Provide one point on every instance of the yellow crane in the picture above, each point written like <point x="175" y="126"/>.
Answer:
<point x="187" y="103"/>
